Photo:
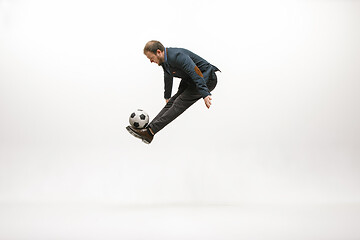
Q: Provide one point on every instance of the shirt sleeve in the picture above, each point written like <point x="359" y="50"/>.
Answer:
<point x="168" y="83"/>
<point x="185" y="63"/>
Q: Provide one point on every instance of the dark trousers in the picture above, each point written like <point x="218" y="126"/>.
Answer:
<point x="177" y="104"/>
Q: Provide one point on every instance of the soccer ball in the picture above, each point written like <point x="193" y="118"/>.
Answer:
<point x="139" y="119"/>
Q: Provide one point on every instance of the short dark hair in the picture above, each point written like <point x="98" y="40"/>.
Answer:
<point x="153" y="46"/>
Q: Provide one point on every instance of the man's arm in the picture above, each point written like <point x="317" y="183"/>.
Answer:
<point x="184" y="62"/>
<point x="168" y="83"/>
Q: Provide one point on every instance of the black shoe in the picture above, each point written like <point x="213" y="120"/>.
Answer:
<point x="144" y="134"/>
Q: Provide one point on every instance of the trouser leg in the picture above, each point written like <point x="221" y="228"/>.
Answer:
<point x="177" y="104"/>
<point x="166" y="107"/>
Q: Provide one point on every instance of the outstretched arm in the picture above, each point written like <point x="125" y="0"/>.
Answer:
<point x="168" y="83"/>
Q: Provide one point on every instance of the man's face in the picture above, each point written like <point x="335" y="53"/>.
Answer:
<point x="157" y="58"/>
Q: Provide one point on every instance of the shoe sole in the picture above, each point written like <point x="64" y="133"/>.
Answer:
<point x="136" y="135"/>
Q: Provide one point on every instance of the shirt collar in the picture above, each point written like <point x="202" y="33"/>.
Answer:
<point x="165" y="55"/>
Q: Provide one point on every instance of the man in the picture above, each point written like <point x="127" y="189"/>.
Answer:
<point x="198" y="79"/>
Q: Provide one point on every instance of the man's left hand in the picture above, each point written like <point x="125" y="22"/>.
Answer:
<point x="207" y="101"/>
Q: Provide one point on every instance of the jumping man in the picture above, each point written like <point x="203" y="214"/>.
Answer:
<point x="198" y="79"/>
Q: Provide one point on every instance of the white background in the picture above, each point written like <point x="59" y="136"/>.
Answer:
<point x="283" y="128"/>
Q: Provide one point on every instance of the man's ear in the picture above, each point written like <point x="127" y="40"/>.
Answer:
<point x="158" y="51"/>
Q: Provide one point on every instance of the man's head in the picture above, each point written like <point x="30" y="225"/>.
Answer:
<point x="154" y="51"/>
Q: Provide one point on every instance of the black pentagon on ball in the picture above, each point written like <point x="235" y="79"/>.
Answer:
<point x="136" y="124"/>
<point x="132" y="115"/>
<point x="142" y="116"/>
